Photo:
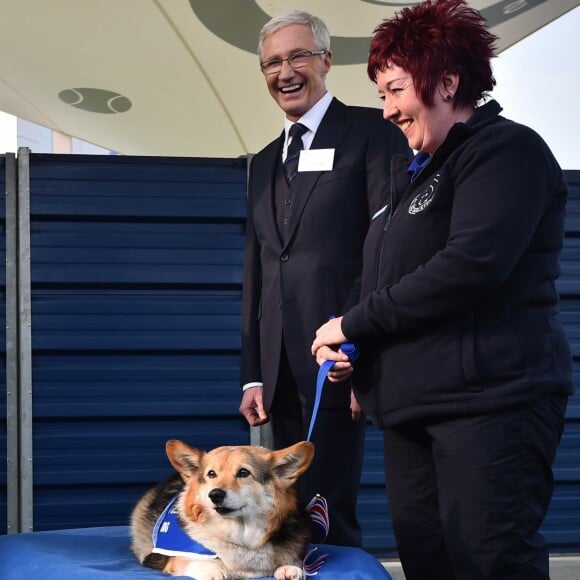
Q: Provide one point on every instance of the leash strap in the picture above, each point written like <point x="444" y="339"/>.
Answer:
<point x="350" y="350"/>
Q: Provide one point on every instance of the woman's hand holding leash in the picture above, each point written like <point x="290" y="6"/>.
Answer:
<point x="326" y="346"/>
<point x="342" y="368"/>
<point x="335" y="364"/>
<point x="329" y="334"/>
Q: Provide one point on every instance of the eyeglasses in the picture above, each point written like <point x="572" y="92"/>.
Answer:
<point x="297" y="60"/>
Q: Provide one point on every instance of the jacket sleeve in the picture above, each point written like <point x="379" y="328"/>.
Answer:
<point x="251" y="293"/>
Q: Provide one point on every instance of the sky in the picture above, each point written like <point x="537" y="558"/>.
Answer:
<point x="538" y="84"/>
<point x="7" y="133"/>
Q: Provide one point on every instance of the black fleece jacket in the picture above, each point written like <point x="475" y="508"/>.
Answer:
<point x="458" y="306"/>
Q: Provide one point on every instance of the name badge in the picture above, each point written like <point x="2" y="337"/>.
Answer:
<point x="316" y="160"/>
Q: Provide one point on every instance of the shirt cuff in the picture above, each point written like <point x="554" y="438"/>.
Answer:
<point x="250" y="385"/>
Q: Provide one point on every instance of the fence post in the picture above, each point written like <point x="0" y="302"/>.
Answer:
<point x="18" y="345"/>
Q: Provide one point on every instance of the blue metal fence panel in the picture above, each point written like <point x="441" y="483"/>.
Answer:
<point x="562" y="525"/>
<point x="136" y="285"/>
<point x="3" y="450"/>
<point x="136" y="281"/>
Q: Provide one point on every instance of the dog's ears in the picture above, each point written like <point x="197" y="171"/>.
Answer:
<point x="290" y="463"/>
<point x="184" y="458"/>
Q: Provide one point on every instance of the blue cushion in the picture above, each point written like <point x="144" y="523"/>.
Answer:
<point x="103" y="554"/>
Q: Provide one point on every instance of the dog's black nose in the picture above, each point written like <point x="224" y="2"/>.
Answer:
<point x="217" y="495"/>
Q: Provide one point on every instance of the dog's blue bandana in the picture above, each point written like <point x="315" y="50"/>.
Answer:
<point x="170" y="539"/>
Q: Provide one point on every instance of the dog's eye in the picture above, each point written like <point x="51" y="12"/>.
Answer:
<point x="243" y="473"/>
<point x="211" y="474"/>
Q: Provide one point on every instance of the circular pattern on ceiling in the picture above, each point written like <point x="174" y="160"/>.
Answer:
<point x="95" y="100"/>
<point x="346" y="49"/>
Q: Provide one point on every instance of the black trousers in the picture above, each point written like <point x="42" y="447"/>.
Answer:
<point x="467" y="496"/>
<point x="339" y="448"/>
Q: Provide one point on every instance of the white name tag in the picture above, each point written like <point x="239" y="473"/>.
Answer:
<point x="316" y="160"/>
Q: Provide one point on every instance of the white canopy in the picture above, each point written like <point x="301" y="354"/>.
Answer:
<point x="181" y="77"/>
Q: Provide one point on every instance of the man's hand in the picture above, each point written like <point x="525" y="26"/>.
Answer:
<point x="252" y="407"/>
<point x="355" y="408"/>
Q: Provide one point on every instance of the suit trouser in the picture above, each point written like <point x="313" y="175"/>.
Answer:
<point x="467" y="496"/>
<point x="339" y="448"/>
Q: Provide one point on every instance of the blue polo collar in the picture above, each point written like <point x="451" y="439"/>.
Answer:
<point x="420" y="161"/>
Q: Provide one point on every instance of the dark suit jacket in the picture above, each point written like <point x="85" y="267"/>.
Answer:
<point x="291" y="288"/>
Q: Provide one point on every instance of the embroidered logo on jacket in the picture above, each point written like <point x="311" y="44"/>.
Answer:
<point x="423" y="200"/>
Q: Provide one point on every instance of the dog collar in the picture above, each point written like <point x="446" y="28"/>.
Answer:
<point x="170" y="539"/>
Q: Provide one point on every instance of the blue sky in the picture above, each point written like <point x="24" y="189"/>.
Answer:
<point x="538" y="84"/>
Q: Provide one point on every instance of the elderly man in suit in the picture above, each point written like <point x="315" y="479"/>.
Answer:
<point x="312" y="194"/>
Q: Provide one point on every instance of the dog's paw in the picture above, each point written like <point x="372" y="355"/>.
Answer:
<point x="204" y="570"/>
<point x="289" y="573"/>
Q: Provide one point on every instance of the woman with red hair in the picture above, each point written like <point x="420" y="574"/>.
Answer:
<point x="464" y="364"/>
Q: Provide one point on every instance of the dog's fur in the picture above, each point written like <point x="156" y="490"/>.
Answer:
<point x="240" y="502"/>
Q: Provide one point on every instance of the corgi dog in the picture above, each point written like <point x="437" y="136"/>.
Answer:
<point x="239" y="503"/>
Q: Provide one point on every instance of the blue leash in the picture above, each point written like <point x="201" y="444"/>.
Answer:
<point x="350" y="350"/>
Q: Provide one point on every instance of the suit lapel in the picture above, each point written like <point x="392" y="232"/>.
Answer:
<point x="330" y="134"/>
<point x="333" y="128"/>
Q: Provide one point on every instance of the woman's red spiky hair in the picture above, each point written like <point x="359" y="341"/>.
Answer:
<point x="432" y="38"/>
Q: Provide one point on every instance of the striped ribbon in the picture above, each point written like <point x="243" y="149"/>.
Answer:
<point x="318" y="511"/>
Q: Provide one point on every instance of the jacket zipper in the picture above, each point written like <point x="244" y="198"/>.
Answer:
<point x="392" y="213"/>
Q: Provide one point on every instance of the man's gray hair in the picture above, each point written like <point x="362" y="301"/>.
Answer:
<point x="319" y="29"/>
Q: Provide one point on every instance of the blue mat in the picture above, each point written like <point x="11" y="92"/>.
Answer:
<point x="103" y="554"/>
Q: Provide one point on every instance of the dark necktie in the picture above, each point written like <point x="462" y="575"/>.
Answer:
<point x="293" y="152"/>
